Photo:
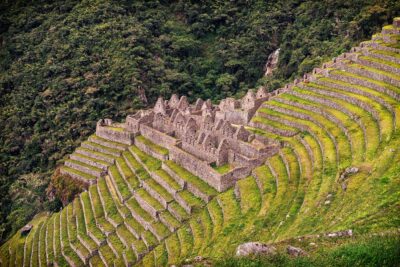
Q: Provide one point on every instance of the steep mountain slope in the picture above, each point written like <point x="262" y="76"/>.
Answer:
<point x="338" y="168"/>
<point x="64" y="65"/>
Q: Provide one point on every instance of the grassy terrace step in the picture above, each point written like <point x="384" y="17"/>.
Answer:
<point x="157" y="150"/>
<point x="186" y="241"/>
<point x="386" y="64"/>
<point x="93" y="231"/>
<point x="188" y="201"/>
<point x="329" y="156"/>
<point x="135" y="166"/>
<point x="341" y="85"/>
<point x="131" y="179"/>
<point x="100" y="148"/>
<point x="138" y="213"/>
<point x="336" y="131"/>
<point x="95" y="154"/>
<point x="163" y="178"/>
<point x="90" y="160"/>
<point x="148" y="203"/>
<point x="380" y="86"/>
<point x="81" y="230"/>
<point x="158" y="192"/>
<point x="83" y="167"/>
<point x="169" y="220"/>
<point x="194" y="184"/>
<point x="370" y="125"/>
<point x="388" y="55"/>
<point x="105" y="142"/>
<point x="178" y="211"/>
<point x="109" y="206"/>
<point x="98" y="211"/>
<point x="217" y="218"/>
<point x="119" y="183"/>
<point x="291" y="131"/>
<point x="78" y="174"/>
<point x="383" y="115"/>
<point x="133" y="226"/>
<point x="83" y="253"/>
<point x="67" y="251"/>
<point x="149" y="162"/>
<point x="249" y="195"/>
<point x="385" y="76"/>
<point x="267" y="185"/>
<point x="173" y="248"/>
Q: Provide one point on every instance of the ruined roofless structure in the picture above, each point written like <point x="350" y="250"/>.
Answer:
<point x="200" y="137"/>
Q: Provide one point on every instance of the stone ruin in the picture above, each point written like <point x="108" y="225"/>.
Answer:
<point x="201" y="136"/>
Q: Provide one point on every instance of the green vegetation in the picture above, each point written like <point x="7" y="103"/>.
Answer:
<point x="63" y="65"/>
<point x="154" y="147"/>
<point x="222" y="169"/>
<point x="364" y="251"/>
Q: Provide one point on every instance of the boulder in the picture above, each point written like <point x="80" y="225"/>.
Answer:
<point x="340" y="233"/>
<point x="26" y="229"/>
<point x="254" y="248"/>
<point x="295" y="252"/>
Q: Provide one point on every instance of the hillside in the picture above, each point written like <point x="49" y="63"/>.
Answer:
<point x="321" y="154"/>
<point x="64" y="65"/>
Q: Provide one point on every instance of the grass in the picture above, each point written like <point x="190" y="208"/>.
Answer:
<point x="154" y="147"/>
<point x="89" y="217"/>
<point x="143" y="194"/>
<point x="150" y="162"/>
<point x="191" y="178"/>
<point x="135" y="207"/>
<point x="370" y="251"/>
<point x="107" y="141"/>
<point x="81" y="225"/>
<point x="95" y="154"/>
<point x="190" y="199"/>
<point x="225" y="168"/>
<point x="99" y="161"/>
<point x="375" y="70"/>
<point x="81" y="174"/>
<point x="109" y="204"/>
<point x="84" y="165"/>
<point x="135" y="166"/>
<point x="161" y="191"/>
<point x="134" y="224"/>
<point x="128" y="175"/>
<point x="250" y="196"/>
<point x="119" y="182"/>
<point x="168" y="180"/>
<point x="185" y="240"/>
<point x="181" y="213"/>
<point x="101" y="148"/>
<point x="173" y="248"/>
<point x="161" y="255"/>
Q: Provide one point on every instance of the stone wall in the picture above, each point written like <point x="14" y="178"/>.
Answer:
<point x="104" y="131"/>
<point x="197" y="167"/>
<point x="158" y="137"/>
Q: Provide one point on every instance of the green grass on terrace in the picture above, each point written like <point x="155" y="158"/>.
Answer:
<point x="191" y="178"/>
<point x="96" y="137"/>
<point x="130" y="177"/>
<point x="381" y="61"/>
<point x="368" y="79"/>
<point x="382" y="72"/>
<point x="134" y="206"/>
<point x="178" y="209"/>
<point x="170" y="219"/>
<point x="143" y="194"/>
<point x="109" y="204"/>
<point x="101" y="147"/>
<point x="222" y="169"/>
<point x="191" y="199"/>
<point x="160" y="190"/>
<point x="79" y="173"/>
<point x="77" y="162"/>
<point x="120" y="183"/>
<point x="385" y="52"/>
<point x="168" y="179"/>
<point x="154" y="147"/>
<point x="151" y="163"/>
<point x="138" y="168"/>
<point x="92" y="159"/>
<point x="117" y="129"/>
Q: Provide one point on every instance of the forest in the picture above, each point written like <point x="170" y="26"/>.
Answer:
<point x="66" y="64"/>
